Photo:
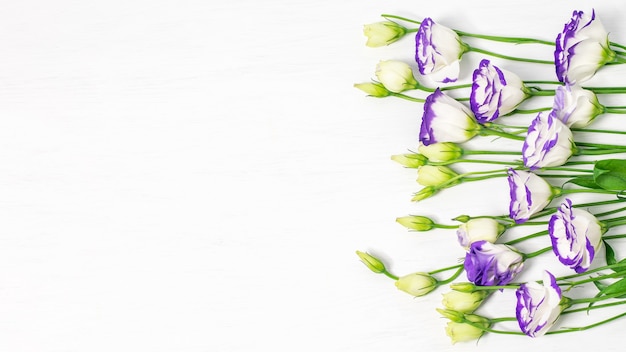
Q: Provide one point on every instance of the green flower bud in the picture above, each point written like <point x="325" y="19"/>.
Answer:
<point x="441" y="152"/>
<point x="462" y="218"/>
<point x="417" y="223"/>
<point x="373" y="89"/>
<point x="410" y="160"/>
<point x="463" y="287"/>
<point x="464" y="302"/>
<point x="417" y="284"/>
<point x="383" y="33"/>
<point x="396" y="76"/>
<point x="460" y="332"/>
<point x="429" y="175"/>
<point x="373" y="263"/>
<point x="453" y="315"/>
<point x="424" y="193"/>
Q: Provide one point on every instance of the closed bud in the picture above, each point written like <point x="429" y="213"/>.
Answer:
<point x="396" y="76"/>
<point x="383" y="33"/>
<point x="410" y="160"/>
<point x="441" y="152"/>
<point x="463" y="287"/>
<point x="461" y="332"/>
<point x="417" y="223"/>
<point x="373" y="89"/>
<point x="452" y="315"/>
<point x="417" y="284"/>
<point x="464" y="302"/>
<point x="373" y="263"/>
<point x="424" y="193"/>
<point x="429" y="175"/>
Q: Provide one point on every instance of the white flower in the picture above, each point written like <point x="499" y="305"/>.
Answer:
<point x="446" y="120"/>
<point x="529" y="194"/>
<point x="576" y="236"/>
<point x="576" y="107"/>
<point x="429" y="175"/>
<point x="383" y="33"/>
<point x="395" y="75"/>
<point x="549" y="142"/>
<point x="581" y="48"/>
<point x="438" y="51"/>
<point x="477" y="230"/>
<point x="495" y="92"/>
<point x="441" y="152"/>
<point x="463" y="302"/>
<point x="538" y="306"/>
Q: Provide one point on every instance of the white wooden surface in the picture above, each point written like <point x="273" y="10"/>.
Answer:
<point x="196" y="176"/>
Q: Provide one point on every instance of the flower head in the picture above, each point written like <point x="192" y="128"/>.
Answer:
<point x="489" y="264"/>
<point x="495" y="92"/>
<point x="538" y="306"/>
<point x="529" y="194"/>
<point x="438" y="51"/>
<point x="575" y="107"/>
<point x="478" y="230"/>
<point x="416" y="222"/>
<point x="441" y="152"/>
<point x="464" y="302"/>
<point x="446" y="120"/>
<point x="395" y="76"/>
<point x="464" y="327"/>
<point x="549" y="142"/>
<point x="417" y="284"/>
<point x="437" y="176"/>
<point x="581" y="48"/>
<point x="576" y="236"/>
<point x="383" y="33"/>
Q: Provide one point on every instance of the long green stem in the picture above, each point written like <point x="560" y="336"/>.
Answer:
<point x="446" y="269"/>
<point x="453" y="277"/>
<point x="521" y="239"/>
<point x="536" y="253"/>
<point x="512" y="58"/>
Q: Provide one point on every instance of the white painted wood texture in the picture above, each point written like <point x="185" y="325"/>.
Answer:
<point x="197" y="175"/>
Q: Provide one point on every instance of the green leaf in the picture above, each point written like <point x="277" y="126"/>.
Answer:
<point x="600" y="286"/>
<point x="610" y="174"/>
<point x="584" y="181"/>
<point x="615" y="288"/>
<point x="610" y="254"/>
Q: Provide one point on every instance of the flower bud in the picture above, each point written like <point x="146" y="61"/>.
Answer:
<point x="417" y="223"/>
<point x="453" y="315"/>
<point x="373" y="89"/>
<point x="383" y="33"/>
<point x="373" y="263"/>
<point x="417" y="284"/>
<point x="463" y="287"/>
<point x="441" y="152"/>
<point x="429" y="175"/>
<point x="395" y="76"/>
<point x="463" y="302"/>
<point x="460" y="332"/>
<point x="424" y="193"/>
<point x="462" y="218"/>
<point x="410" y="160"/>
<point x="477" y="230"/>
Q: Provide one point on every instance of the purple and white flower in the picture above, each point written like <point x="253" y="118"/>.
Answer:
<point x="438" y="50"/>
<point x="549" y="142"/>
<point x="446" y="120"/>
<point x="495" y="92"/>
<point x="488" y="264"/>
<point x="479" y="229"/>
<point x="396" y="76"/>
<point x="576" y="236"/>
<point x="529" y="194"/>
<point x="575" y="107"/>
<point x="538" y="306"/>
<point x="581" y="48"/>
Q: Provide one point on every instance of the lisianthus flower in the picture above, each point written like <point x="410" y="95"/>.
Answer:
<point x="488" y="264"/>
<point x="441" y="152"/>
<point x="446" y="120"/>
<point x="464" y="302"/>
<point x="429" y="175"/>
<point x="581" y="48"/>
<point x="396" y="76"/>
<point x="574" y="106"/>
<point x="576" y="236"/>
<point x="538" y="306"/>
<point x="383" y="33"/>
<point x="495" y="92"/>
<point x="438" y="51"/>
<point x="549" y="142"/>
<point x="529" y="194"/>
<point x="479" y="229"/>
<point x="417" y="284"/>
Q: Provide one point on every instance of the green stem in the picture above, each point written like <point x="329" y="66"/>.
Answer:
<point x="615" y="109"/>
<point x="585" y="190"/>
<point x="484" y="131"/>
<point x="453" y="277"/>
<point x="529" y="111"/>
<point x="591" y="271"/>
<point x="390" y="275"/>
<point x="521" y="239"/>
<point x="407" y="97"/>
<point x="512" y="58"/>
<point x="536" y="253"/>
<point x="587" y="326"/>
<point x="489" y="152"/>
<point x="599" y="306"/>
<point x="458" y="266"/>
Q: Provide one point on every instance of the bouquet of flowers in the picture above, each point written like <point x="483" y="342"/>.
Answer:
<point x="555" y="159"/>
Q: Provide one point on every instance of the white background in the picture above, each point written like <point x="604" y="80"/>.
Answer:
<point x="197" y="175"/>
